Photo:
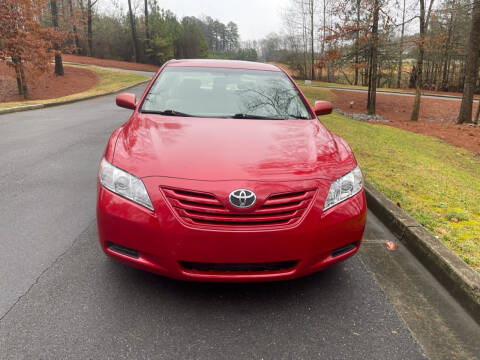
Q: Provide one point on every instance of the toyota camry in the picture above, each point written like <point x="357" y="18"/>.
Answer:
<point x="224" y="173"/>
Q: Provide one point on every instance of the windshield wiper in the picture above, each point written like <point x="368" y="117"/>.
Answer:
<point x="298" y="117"/>
<point x="168" y="113"/>
<point x="249" y="116"/>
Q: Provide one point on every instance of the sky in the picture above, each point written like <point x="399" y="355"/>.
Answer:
<point x="255" y="18"/>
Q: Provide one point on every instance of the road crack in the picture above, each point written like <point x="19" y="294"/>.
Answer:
<point x="44" y="271"/>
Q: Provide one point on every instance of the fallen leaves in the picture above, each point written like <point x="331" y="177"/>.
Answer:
<point x="391" y="245"/>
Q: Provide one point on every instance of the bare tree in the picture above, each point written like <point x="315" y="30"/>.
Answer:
<point x="147" y="30"/>
<point x="372" y="80"/>
<point x="357" y="42"/>
<point x="133" y="29"/>
<point x="90" y="5"/>
<point x="74" y="27"/>
<point x="56" y="46"/>
<point x="472" y="63"/>
<point x="296" y="20"/>
<point x="400" y="50"/>
<point x="312" y="36"/>
<point x="447" y="50"/>
<point x="421" y="53"/>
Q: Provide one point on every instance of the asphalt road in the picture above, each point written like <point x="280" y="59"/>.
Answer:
<point x="399" y="93"/>
<point x="60" y="297"/>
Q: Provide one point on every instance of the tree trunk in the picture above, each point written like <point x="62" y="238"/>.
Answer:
<point x="147" y="30"/>
<point x="20" y="74"/>
<point x="136" y="53"/>
<point x="461" y="75"/>
<point x="74" y="28"/>
<point x="421" y="51"/>
<point x="312" y="32"/>
<point x="89" y="28"/>
<point x="372" y="80"/>
<point x="471" y="67"/>
<point x="454" y="69"/>
<point x="400" y="50"/>
<point x="58" y="54"/>
<point x="324" y="34"/>
<point x="24" y="83"/>
<point x="17" y="64"/>
<point x="446" y="62"/>
<point x="305" y="40"/>
<point x="478" y="112"/>
<point x="83" y="50"/>
<point x="357" y="45"/>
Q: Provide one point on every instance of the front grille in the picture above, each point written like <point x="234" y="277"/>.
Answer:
<point x="254" y="267"/>
<point x="205" y="209"/>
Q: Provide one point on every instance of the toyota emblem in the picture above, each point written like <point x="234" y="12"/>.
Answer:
<point x="242" y="198"/>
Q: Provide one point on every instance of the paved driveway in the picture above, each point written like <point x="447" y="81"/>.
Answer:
<point x="62" y="298"/>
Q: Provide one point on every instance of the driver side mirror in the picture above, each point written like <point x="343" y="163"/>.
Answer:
<point x="126" y="100"/>
<point x="323" y="108"/>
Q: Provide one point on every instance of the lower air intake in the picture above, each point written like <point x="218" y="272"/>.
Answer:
<point x="254" y="267"/>
<point x="123" y="250"/>
<point x="342" y="250"/>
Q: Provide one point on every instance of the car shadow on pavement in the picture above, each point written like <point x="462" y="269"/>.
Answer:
<point x="143" y="283"/>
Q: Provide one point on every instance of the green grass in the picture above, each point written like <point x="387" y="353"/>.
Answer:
<point x="108" y="81"/>
<point x="333" y="85"/>
<point x="436" y="183"/>
<point x="315" y="93"/>
<point x="348" y="86"/>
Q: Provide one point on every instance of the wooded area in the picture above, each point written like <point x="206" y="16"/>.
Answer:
<point x="144" y="32"/>
<point x="420" y="44"/>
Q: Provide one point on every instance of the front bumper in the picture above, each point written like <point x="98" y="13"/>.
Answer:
<point x="161" y="243"/>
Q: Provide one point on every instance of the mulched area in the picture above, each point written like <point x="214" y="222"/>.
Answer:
<point x="437" y="116"/>
<point x="47" y="86"/>
<point x="110" y="63"/>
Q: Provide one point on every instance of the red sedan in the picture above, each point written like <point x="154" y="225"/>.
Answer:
<point x="224" y="173"/>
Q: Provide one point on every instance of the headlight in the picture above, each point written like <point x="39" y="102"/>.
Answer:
<point x="124" y="184"/>
<point x="344" y="188"/>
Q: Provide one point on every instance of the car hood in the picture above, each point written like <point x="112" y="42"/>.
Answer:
<point x="230" y="149"/>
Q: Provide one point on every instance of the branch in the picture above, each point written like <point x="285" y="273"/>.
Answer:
<point x="407" y="21"/>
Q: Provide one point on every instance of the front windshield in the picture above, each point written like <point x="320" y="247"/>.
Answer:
<point x="221" y="92"/>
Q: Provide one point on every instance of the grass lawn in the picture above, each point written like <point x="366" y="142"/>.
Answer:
<point x="436" y="183"/>
<point x="348" y="86"/>
<point x="108" y="81"/>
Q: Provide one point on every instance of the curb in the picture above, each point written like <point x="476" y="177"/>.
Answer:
<point x="21" y="108"/>
<point x="64" y="102"/>
<point x="461" y="281"/>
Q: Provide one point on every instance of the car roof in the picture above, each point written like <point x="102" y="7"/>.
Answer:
<point x="229" y="64"/>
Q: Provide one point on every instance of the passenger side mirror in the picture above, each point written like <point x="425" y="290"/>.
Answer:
<point x="323" y="108"/>
<point x="126" y="100"/>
